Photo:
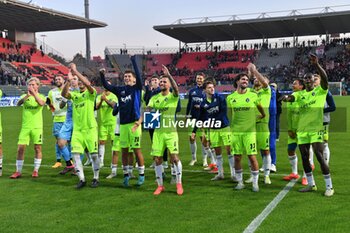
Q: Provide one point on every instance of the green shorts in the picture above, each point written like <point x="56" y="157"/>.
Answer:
<point x="36" y="135"/>
<point x="244" y="143"/>
<point x="165" y="140"/>
<point x="116" y="143"/>
<point x="310" y="137"/>
<point x="129" y="138"/>
<point x="82" y="139"/>
<point x="325" y="132"/>
<point x="262" y="136"/>
<point x="220" y="137"/>
<point x="106" y="132"/>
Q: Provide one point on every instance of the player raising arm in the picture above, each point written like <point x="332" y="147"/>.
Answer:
<point x="165" y="103"/>
<point x="129" y="99"/>
<point x="311" y="102"/>
<point x="84" y="126"/>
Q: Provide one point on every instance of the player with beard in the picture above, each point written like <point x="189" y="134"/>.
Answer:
<point x="166" y="103"/>
<point x="59" y="114"/>
<point x="311" y="102"/>
<point x="243" y="104"/>
<point x="84" y="126"/>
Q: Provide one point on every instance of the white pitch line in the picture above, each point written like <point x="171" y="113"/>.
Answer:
<point x="269" y="208"/>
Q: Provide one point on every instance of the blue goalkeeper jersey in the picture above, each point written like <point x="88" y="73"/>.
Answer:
<point x="195" y="97"/>
<point x="129" y="97"/>
<point x="214" y="109"/>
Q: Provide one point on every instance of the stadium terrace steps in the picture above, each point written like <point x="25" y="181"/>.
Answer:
<point x="8" y="90"/>
<point x="123" y="61"/>
<point x="155" y="61"/>
<point x="273" y="57"/>
<point x="333" y="51"/>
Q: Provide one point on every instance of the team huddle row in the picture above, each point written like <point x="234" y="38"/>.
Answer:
<point x="121" y="116"/>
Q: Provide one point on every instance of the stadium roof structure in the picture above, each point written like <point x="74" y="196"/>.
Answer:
<point x="209" y="29"/>
<point x="17" y="15"/>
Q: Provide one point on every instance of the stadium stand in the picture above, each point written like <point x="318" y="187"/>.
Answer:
<point x="273" y="57"/>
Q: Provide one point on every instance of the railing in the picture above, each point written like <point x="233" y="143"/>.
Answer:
<point x="47" y="48"/>
<point x="224" y="46"/>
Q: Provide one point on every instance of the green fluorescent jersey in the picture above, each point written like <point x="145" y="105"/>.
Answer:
<point x="166" y="105"/>
<point x="264" y="95"/>
<point x="32" y="117"/>
<point x="311" y="104"/>
<point x="59" y="115"/>
<point x="83" y="110"/>
<point x="292" y="114"/>
<point x="243" y="108"/>
<point x="106" y="117"/>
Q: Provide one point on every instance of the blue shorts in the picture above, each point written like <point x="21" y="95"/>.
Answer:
<point x="292" y="146"/>
<point x="56" y="128"/>
<point x="66" y="131"/>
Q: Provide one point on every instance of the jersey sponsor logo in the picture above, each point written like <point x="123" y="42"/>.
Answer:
<point x="126" y="99"/>
<point x="239" y="109"/>
<point x="197" y="99"/>
<point x="307" y="105"/>
<point x="80" y="105"/>
<point x="213" y="110"/>
<point x="58" y="98"/>
<point x="31" y="107"/>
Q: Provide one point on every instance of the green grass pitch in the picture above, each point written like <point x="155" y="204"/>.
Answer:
<point x="52" y="204"/>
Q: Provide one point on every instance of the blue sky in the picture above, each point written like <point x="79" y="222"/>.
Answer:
<point x="131" y="22"/>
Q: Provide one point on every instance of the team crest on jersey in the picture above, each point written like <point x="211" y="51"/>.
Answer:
<point x="303" y="97"/>
<point x="313" y="94"/>
<point x="122" y="93"/>
<point x="247" y="100"/>
<point x="214" y="100"/>
<point x="83" y="95"/>
<point x="234" y="101"/>
<point x="157" y="102"/>
<point x="193" y="93"/>
<point x="166" y="99"/>
<point x="205" y="105"/>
